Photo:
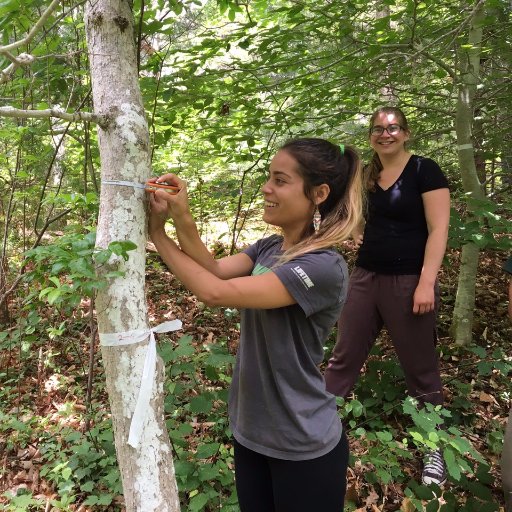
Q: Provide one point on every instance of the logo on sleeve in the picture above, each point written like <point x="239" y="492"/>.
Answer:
<point x="305" y="279"/>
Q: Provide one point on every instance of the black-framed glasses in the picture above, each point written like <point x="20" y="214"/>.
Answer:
<point x="392" y="129"/>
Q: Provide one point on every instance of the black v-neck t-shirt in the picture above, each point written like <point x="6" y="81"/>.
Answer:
<point x="396" y="231"/>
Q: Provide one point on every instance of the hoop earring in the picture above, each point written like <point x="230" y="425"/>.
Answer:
<point x="317" y="219"/>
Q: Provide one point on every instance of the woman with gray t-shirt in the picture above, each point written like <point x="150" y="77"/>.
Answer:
<point x="291" y="453"/>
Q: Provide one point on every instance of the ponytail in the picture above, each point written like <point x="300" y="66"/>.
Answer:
<point x="371" y="172"/>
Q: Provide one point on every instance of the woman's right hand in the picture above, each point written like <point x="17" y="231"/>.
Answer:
<point x="176" y="204"/>
<point x="358" y="241"/>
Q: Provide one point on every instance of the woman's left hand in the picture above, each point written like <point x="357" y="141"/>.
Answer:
<point x="159" y="212"/>
<point x="423" y="299"/>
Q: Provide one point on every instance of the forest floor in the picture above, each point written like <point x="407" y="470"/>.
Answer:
<point x="20" y="460"/>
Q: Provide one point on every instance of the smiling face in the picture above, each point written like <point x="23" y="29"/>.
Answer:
<point x="386" y="144"/>
<point x="286" y="205"/>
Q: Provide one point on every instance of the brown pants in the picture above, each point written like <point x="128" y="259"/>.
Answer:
<point x="377" y="300"/>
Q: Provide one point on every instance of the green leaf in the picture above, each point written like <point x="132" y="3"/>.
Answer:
<point x="208" y="472"/>
<point x="198" y="502"/>
<point x="55" y="281"/>
<point x="432" y="506"/>
<point x="211" y="373"/>
<point x="82" y="267"/>
<point x="66" y="473"/>
<point x="206" y="451"/>
<point x="121" y="247"/>
<point x="184" y="468"/>
<point x="384" y="436"/>
<point x="87" y="486"/>
<point x="166" y="352"/>
<point x="45" y="291"/>
<point x="105" y="499"/>
<point x="383" y="475"/>
<point x="433" y="436"/>
<point x="54" y="295"/>
<point x="451" y="465"/>
<point x="357" y="408"/>
<point x="201" y="404"/>
<point x="114" y="274"/>
<point x="219" y="356"/>
<point x="185" y="347"/>
<point x="102" y="257"/>
<point x="91" y="500"/>
<point x="423" y="492"/>
<point x="461" y="445"/>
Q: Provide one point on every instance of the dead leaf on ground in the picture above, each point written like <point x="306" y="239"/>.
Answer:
<point x="351" y="494"/>
<point x="371" y="499"/>
<point x="485" y="397"/>
<point x="407" y="506"/>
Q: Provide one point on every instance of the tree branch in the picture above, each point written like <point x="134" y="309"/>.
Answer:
<point x="23" y="59"/>
<point x="103" y="121"/>
<point x="33" y="31"/>
<point x="435" y="60"/>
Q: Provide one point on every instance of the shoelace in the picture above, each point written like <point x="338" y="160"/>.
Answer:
<point x="435" y="461"/>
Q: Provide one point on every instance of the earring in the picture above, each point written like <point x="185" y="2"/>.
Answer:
<point x="317" y="219"/>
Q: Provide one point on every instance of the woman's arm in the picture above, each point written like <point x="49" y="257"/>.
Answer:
<point x="263" y="291"/>
<point x="165" y="205"/>
<point x="437" y="212"/>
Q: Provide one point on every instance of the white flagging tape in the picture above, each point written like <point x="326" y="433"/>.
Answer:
<point x="117" y="339"/>
<point x="465" y="146"/>
<point x="124" y="184"/>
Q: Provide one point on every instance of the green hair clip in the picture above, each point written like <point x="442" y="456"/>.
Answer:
<point x="342" y="148"/>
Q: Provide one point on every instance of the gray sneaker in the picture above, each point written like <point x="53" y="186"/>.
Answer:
<point x="434" y="469"/>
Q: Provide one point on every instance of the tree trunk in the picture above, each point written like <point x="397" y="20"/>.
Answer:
<point x="147" y="470"/>
<point x="462" y="321"/>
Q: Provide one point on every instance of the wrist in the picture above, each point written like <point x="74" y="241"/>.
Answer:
<point x="184" y="220"/>
<point x="427" y="281"/>
<point x="156" y="231"/>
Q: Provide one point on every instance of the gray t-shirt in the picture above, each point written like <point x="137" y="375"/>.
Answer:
<point x="278" y="404"/>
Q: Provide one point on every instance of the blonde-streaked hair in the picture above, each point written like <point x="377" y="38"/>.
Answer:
<point x="318" y="162"/>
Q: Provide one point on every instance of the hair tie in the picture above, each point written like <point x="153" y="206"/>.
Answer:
<point x="342" y="149"/>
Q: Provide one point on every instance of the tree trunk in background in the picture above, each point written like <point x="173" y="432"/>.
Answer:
<point x="462" y="320"/>
<point x="147" y="471"/>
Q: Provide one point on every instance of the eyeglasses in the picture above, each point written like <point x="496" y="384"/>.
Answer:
<point x="392" y="129"/>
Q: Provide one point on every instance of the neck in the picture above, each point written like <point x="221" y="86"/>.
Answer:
<point x="288" y="242"/>
<point x="291" y="238"/>
<point x="390" y="160"/>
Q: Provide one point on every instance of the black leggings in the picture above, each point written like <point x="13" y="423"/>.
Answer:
<point x="266" y="484"/>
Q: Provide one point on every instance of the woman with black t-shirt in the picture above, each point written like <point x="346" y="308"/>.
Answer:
<point x="394" y="283"/>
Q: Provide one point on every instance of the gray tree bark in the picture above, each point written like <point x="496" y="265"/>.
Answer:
<point x="147" y="470"/>
<point x="462" y="320"/>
